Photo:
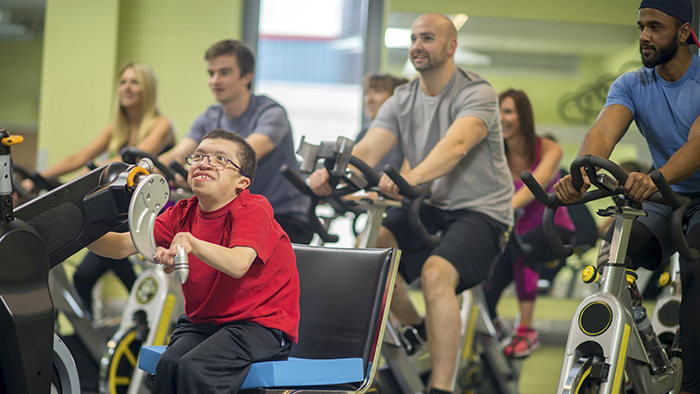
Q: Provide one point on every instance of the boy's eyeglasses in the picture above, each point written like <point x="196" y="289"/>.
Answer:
<point x="216" y="161"/>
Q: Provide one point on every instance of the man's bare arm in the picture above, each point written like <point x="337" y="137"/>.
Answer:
<point x="609" y="128"/>
<point x="461" y="137"/>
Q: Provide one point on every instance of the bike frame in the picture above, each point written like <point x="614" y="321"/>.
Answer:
<point x="604" y="326"/>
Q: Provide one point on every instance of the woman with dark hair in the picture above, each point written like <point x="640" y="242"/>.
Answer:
<point x="541" y="156"/>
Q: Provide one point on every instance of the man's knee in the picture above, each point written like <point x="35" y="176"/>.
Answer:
<point x="438" y="274"/>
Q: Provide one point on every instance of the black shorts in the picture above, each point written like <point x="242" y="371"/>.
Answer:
<point x="471" y="241"/>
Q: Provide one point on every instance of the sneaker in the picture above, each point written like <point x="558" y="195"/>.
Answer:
<point x="525" y="341"/>
<point x="412" y="339"/>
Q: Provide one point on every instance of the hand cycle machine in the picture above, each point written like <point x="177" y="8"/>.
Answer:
<point x="611" y="339"/>
<point x="107" y="362"/>
<point x="482" y="367"/>
<point x="35" y="238"/>
<point x="155" y="302"/>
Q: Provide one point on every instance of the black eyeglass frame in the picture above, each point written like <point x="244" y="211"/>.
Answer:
<point x="189" y="159"/>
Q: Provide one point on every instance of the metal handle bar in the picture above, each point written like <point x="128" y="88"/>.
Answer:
<point x="130" y="155"/>
<point x="589" y="163"/>
<point x="416" y="195"/>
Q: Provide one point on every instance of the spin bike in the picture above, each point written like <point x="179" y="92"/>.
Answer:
<point x="38" y="236"/>
<point x="482" y="367"/>
<point x="611" y="344"/>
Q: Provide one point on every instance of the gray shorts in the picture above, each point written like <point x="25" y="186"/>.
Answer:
<point x="471" y="242"/>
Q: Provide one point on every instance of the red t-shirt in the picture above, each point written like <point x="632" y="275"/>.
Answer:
<point x="268" y="294"/>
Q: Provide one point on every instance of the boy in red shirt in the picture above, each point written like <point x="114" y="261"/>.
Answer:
<point x="242" y="293"/>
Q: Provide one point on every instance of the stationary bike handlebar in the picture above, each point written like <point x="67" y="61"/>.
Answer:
<point x="589" y="163"/>
<point x="417" y="195"/>
<point x="313" y="219"/>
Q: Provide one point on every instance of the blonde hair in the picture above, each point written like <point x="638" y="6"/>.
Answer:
<point x="147" y="79"/>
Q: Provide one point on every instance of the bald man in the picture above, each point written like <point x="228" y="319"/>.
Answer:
<point x="448" y="125"/>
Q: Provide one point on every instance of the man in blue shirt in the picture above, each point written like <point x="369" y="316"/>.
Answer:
<point x="262" y="122"/>
<point x="663" y="99"/>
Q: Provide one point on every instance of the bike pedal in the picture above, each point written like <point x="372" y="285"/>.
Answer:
<point x="599" y="372"/>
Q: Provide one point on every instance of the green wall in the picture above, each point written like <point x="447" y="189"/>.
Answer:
<point x="87" y="41"/>
<point x="77" y="81"/>
<point x="19" y="77"/>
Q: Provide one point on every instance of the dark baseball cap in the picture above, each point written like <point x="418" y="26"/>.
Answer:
<point x="681" y="9"/>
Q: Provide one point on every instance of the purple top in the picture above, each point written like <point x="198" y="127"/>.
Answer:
<point x="532" y="217"/>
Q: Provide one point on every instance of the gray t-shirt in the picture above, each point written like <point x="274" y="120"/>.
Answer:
<point x="481" y="181"/>
<point x="264" y="116"/>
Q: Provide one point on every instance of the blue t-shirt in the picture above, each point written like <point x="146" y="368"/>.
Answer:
<point x="663" y="112"/>
<point x="264" y="116"/>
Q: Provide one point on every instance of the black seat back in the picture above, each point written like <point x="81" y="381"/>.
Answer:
<point x="343" y="296"/>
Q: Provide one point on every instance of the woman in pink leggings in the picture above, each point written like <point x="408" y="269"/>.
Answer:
<point x="541" y="156"/>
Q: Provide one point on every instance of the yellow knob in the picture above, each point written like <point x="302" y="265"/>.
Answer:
<point x="665" y="279"/>
<point x="12" y="140"/>
<point x="589" y="274"/>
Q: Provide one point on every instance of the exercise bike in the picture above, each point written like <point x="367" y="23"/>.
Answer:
<point x="482" y="367"/>
<point x="35" y="238"/>
<point x="611" y="345"/>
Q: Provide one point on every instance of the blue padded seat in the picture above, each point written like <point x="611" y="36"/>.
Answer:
<point x="290" y="373"/>
<point x="343" y="298"/>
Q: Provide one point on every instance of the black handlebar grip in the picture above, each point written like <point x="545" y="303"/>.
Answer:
<point x="129" y="155"/>
<point x="551" y="202"/>
<point x="590" y="162"/>
<point x="313" y="220"/>
<point x="548" y="200"/>
<point x="416" y="195"/>
<point x="179" y="168"/>
<point x="680" y="204"/>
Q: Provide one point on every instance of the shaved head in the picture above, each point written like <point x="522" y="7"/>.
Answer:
<point x="441" y="23"/>
<point x="433" y="43"/>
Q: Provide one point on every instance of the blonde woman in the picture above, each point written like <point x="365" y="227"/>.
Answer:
<point x="137" y="122"/>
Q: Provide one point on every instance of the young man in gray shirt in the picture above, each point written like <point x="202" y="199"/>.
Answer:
<point x="448" y="125"/>
<point x="262" y="122"/>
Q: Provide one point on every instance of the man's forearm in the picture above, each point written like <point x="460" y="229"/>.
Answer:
<point x="684" y="163"/>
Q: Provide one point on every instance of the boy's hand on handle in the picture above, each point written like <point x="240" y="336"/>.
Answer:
<point x="166" y="257"/>
<point x="318" y="182"/>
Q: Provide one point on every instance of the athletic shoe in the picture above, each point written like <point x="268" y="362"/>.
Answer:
<point x="525" y="341"/>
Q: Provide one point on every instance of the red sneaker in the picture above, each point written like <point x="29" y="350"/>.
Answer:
<point x="525" y="341"/>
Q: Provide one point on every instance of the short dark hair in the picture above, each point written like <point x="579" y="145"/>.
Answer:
<point x="243" y="53"/>
<point x="246" y="154"/>
<point x="381" y="81"/>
